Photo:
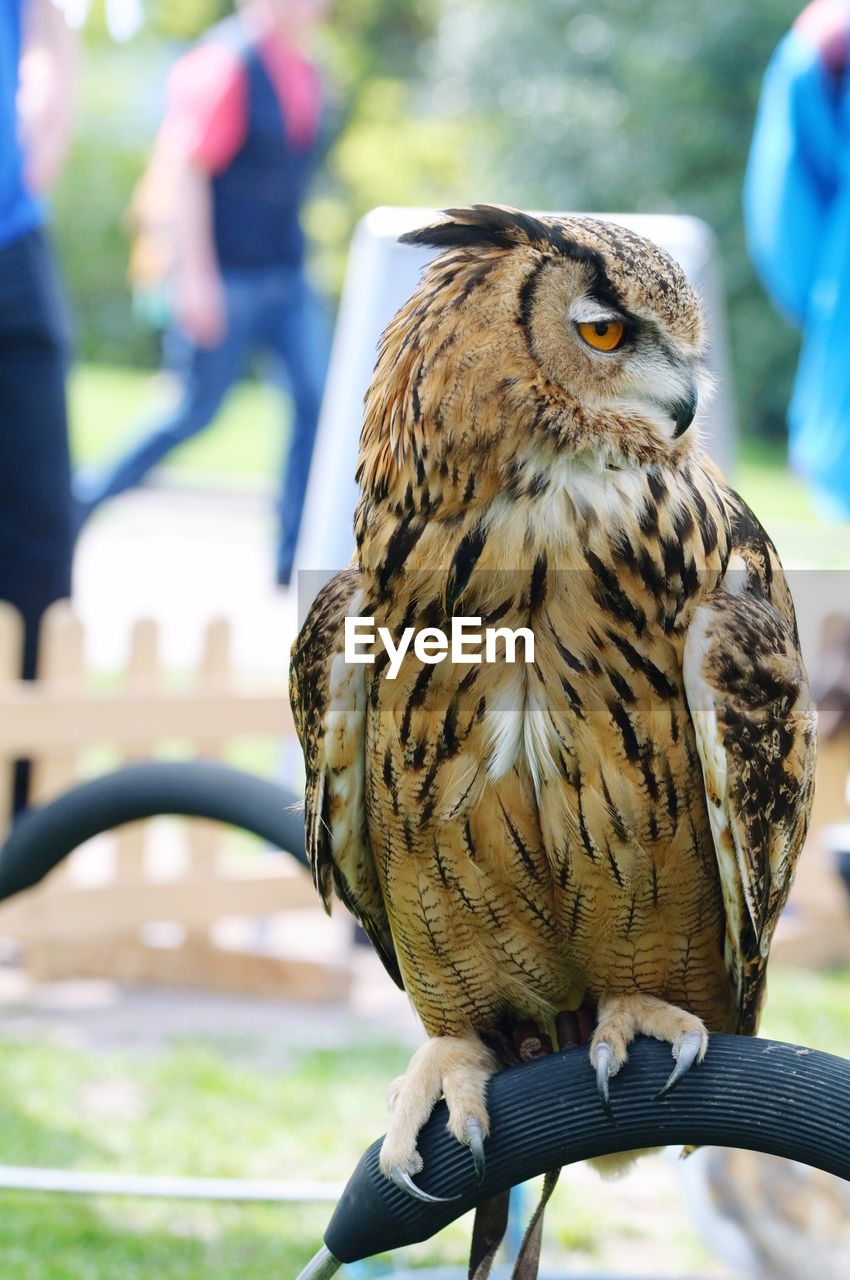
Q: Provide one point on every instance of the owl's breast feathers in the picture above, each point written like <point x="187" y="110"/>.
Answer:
<point x="619" y="814"/>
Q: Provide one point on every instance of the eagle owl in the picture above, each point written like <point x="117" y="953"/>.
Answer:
<point x="610" y="829"/>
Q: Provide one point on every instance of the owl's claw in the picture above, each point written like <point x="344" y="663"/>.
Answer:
<point x="690" y="1049"/>
<point x="475" y="1141"/>
<point x="621" y="1017"/>
<point x="604" y="1058"/>
<point x="459" y="1068"/>
<point x="404" y="1182"/>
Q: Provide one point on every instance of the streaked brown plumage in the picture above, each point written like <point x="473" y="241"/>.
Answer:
<point x="616" y="824"/>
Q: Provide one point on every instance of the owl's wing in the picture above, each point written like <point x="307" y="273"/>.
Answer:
<point x="328" y="699"/>
<point x="755" y="725"/>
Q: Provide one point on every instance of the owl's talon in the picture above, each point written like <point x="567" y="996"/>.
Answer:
<point x="404" y="1182"/>
<point x="604" y="1057"/>
<point x="459" y="1068"/>
<point x="690" y="1050"/>
<point x="474" y="1136"/>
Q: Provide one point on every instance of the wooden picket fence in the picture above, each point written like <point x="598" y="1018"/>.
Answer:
<point x="72" y="924"/>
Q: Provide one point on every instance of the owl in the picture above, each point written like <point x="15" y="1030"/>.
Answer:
<point x="598" y="840"/>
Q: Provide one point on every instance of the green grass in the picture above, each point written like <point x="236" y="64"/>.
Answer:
<point x="781" y="501"/>
<point x="206" y="1108"/>
<point x="811" y="1009"/>
<point x="197" y="1109"/>
<point x="762" y="477"/>
<point x="109" y="405"/>
<point x="82" y="1240"/>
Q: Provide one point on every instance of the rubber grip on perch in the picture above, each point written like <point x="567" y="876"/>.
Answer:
<point x="42" y="837"/>
<point x="762" y="1095"/>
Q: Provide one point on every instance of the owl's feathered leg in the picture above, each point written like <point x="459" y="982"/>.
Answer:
<point x="621" y="1018"/>
<point x="458" y="1067"/>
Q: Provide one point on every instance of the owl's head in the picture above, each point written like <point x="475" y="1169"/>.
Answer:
<point x="570" y="335"/>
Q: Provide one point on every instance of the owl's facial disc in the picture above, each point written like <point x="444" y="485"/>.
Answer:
<point x="612" y="356"/>
<point x="659" y="382"/>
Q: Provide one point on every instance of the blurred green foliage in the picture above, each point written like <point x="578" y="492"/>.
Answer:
<point x="118" y="112"/>
<point x="610" y="105"/>
<point x="387" y="146"/>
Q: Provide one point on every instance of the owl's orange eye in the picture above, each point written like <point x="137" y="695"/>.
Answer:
<point x="603" y="335"/>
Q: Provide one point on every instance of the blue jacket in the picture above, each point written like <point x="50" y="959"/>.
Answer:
<point x="797" y="214"/>
<point x="19" y="211"/>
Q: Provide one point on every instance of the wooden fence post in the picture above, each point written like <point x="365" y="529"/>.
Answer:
<point x="215" y="672"/>
<point x="143" y="675"/>
<point x="61" y="667"/>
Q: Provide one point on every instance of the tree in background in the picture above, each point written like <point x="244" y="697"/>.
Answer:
<point x="625" y="105"/>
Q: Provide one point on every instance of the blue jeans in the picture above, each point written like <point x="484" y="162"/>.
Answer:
<point x="36" y="538"/>
<point x="269" y="309"/>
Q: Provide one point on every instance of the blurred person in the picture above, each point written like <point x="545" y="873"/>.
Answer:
<point x="229" y="174"/>
<point x="797" y="213"/>
<point x="36" y="541"/>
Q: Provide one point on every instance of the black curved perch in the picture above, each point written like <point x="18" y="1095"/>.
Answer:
<point x="759" y="1094"/>
<point x="194" y="789"/>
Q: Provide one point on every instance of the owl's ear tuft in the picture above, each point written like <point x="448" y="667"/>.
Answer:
<point x="481" y="225"/>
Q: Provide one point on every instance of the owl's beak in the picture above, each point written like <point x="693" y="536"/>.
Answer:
<point x="682" y="410"/>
